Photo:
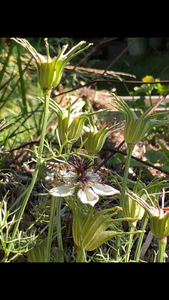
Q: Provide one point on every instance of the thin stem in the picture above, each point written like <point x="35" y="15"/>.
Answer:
<point x="67" y="148"/>
<point x="131" y="229"/>
<point x="50" y="230"/>
<point x="151" y="103"/>
<point x="109" y="66"/>
<point x="162" y="245"/>
<point x="81" y="256"/>
<point x="124" y="184"/>
<point x="140" y="239"/>
<point x="22" y="85"/>
<point x="23" y="205"/>
<point x="104" y="149"/>
<point x="59" y="233"/>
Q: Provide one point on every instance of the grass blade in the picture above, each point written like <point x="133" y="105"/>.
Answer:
<point x="23" y="93"/>
<point x="6" y="61"/>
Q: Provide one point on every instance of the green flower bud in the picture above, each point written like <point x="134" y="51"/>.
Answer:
<point x="70" y="124"/>
<point x="135" y="128"/>
<point x="133" y="210"/>
<point x="95" y="138"/>
<point x="93" y="227"/>
<point x="49" y="70"/>
<point x="69" y="127"/>
<point x="149" y="194"/>
<point x="159" y="224"/>
<point x="46" y="74"/>
<point x="159" y="218"/>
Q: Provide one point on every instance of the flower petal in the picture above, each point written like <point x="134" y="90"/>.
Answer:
<point x="88" y="196"/>
<point x="104" y="189"/>
<point x="93" y="177"/>
<point x="62" y="191"/>
<point x="70" y="177"/>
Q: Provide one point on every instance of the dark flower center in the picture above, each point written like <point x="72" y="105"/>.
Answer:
<point x="81" y="165"/>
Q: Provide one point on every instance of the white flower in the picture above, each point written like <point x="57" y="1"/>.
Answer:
<point x="89" y="188"/>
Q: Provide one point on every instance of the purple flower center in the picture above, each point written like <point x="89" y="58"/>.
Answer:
<point x="81" y="166"/>
<point x="85" y="179"/>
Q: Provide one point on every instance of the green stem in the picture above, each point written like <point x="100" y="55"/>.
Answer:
<point x="6" y="61"/>
<point x="151" y="103"/>
<point x="81" y="256"/>
<point x="67" y="148"/>
<point x="140" y="239"/>
<point x="124" y="184"/>
<point x="50" y="230"/>
<point x="23" y="205"/>
<point x="162" y="245"/>
<point x="22" y="85"/>
<point x="59" y="233"/>
<point x="131" y="229"/>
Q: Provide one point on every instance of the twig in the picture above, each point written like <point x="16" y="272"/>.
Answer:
<point x="125" y="81"/>
<point x="146" y="244"/>
<point x="111" y="154"/>
<point x="158" y="103"/>
<point x="93" y="50"/>
<point x="113" y="81"/>
<point x="50" y="125"/>
<point x="137" y="159"/>
<point x="112" y="150"/>
<point x="109" y="66"/>
<point x="119" y="56"/>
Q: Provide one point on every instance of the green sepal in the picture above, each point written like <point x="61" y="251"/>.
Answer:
<point x="50" y="70"/>
<point x="93" y="228"/>
<point x="106" y="235"/>
<point x="46" y="73"/>
<point x="38" y="251"/>
<point x="133" y="210"/>
<point x="97" y="226"/>
<point x="96" y="139"/>
<point x="64" y="59"/>
<point x="160" y="226"/>
<point x="159" y="219"/>
<point x="69" y="127"/>
<point x="75" y="129"/>
<point x="135" y="128"/>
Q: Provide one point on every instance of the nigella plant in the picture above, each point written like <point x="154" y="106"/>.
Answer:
<point x="49" y="73"/>
<point x="81" y="188"/>
<point x="71" y="124"/>
<point x="159" y="223"/>
<point x="134" y="130"/>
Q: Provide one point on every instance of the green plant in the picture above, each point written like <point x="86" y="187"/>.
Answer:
<point x="12" y="247"/>
<point x="145" y="88"/>
<point x="134" y="130"/>
<point x="64" y="170"/>
<point x="49" y="74"/>
<point x="161" y="156"/>
<point x="159" y="223"/>
<point x="89" y="230"/>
